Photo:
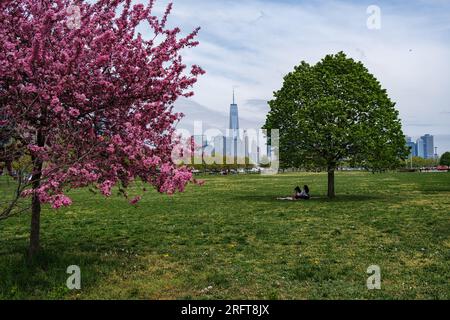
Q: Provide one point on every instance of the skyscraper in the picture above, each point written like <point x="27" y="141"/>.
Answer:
<point x="234" y="115"/>
<point x="425" y="147"/>
<point x="420" y="148"/>
<point x="237" y="144"/>
<point x="232" y="144"/>
<point x="219" y="146"/>
<point x="428" y="145"/>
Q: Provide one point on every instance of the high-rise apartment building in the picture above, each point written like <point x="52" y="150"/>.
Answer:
<point x="428" y="145"/>
<point x="425" y="146"/>
<point x="420" y="148"/>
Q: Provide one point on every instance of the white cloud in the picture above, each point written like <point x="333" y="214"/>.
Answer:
<point x="252" y="44"/>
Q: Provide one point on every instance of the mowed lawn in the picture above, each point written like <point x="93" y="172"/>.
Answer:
<point x="231" y="239"/>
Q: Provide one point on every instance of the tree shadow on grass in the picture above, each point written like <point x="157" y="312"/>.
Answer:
<point x="318" y="199"/>
<point x="434" y="189"/>
<point x="352" y="198"/>
<point x="46" y="275"/>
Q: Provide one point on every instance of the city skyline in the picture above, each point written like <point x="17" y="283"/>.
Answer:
<point x="235" y="143"/>
<point x="422" y="147"/>
<point x="218" y="121"/>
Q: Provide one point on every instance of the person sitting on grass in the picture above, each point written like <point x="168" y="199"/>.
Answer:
<point x="305" y="193"/>
<point x="299" y="194"/>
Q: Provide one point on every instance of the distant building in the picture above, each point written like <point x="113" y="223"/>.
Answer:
<point x="230" y="145"/>
<point x="412" y="146"/>
<point x="238" y="144"/>
<point x="246" y="145"/>
<point x="219" y="143"/>
<point x="420" y="148"/>
<point x="233" y="134"/>
<point x="428" y="144"/>
<point x="425" y="147"/>
<point x="269" y="150"/>
<point x="234" y="116"/>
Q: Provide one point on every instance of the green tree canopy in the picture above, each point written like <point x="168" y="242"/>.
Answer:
<point x="445" y="159"/>
<point x="418" y="162"/>
<point x="335" y="111"/>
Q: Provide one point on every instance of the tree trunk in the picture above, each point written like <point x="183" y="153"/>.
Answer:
<point x="35" y="223"/>
<point x="331" y="192"/>
<point x="35" y="204"/>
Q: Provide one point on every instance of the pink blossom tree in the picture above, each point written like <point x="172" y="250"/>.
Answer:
<point x="90" y="98"/>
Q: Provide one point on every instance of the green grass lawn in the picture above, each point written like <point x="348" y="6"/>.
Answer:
<point x="231" y="239"/>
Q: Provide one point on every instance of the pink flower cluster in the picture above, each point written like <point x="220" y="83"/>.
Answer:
<point x="59" y="201"/>
<point x="106" y="187"/>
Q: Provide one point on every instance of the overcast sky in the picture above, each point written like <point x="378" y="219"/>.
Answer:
<point x="251" y="44"/>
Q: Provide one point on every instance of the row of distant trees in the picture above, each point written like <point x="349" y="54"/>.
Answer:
<point x="419" y="162"/>
<point x="226" y="163"/>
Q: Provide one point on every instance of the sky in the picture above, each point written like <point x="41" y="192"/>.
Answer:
<point x="250" y="45"/>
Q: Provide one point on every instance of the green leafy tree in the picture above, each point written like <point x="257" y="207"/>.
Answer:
<point x="336" y="111"/>
<point x="418" y="162"/>
<point x="445" y="159"/>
